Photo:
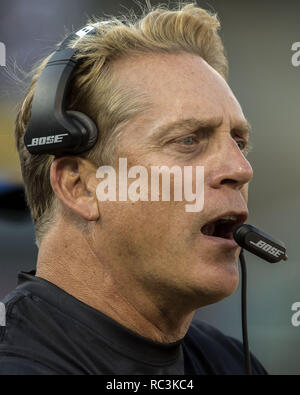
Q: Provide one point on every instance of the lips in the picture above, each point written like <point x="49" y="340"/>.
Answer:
<point x="222" y="226"/>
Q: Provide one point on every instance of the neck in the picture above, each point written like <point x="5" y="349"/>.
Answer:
<point x="104" y="286"/>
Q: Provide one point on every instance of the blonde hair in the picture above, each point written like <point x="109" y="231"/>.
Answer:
<point x="96" y="91"/>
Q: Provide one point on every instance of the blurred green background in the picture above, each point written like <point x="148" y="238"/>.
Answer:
<point x="258" y="36"/>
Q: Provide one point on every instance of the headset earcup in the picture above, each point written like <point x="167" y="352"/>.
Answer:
<point x="88" y="128"/>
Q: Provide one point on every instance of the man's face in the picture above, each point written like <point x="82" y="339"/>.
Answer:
<point x="159" y="245"/>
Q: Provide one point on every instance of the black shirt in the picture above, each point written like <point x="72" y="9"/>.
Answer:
<point x="48" y="331"/>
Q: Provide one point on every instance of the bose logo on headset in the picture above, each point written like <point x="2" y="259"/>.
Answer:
<point x="268" y="248"/>
<point x="84" y="31"/>
<point x="47" y="140"/>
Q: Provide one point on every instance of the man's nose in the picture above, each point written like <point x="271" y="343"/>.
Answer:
<point x="230" y="167"/>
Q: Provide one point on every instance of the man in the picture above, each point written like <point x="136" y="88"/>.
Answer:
<point x="118" y="282"/>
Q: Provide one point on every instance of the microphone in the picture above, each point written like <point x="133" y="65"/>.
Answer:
<point x="260" y="243"/>
<point x="266" y="247"/>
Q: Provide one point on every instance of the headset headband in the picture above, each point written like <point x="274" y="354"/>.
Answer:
<point x="51" y="130"/>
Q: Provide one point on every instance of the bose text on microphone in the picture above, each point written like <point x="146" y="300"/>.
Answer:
<point x="260" y="243"/>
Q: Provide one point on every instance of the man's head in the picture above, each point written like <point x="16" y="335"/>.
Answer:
<point x="134" y="82"/>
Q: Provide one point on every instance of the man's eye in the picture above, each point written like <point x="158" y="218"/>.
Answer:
<point x="189" y="140"/>
<point x="241" y="144"/>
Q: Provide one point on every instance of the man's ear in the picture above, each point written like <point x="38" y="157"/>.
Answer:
<point x="73" y="180"/>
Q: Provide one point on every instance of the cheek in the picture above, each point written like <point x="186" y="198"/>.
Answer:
<point x="244" y="192"/>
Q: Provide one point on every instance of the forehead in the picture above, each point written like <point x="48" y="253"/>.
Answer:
<point x="180" y="84"/>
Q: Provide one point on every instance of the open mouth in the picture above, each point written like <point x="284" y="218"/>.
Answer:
<point x="223" y="226"/>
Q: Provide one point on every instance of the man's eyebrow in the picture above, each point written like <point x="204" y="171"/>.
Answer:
<point x="194" y="124"/>
<point x="188" y="124"/>
<point x="243" y="127"/>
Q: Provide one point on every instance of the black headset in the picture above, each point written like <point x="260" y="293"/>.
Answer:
<point x="52" y="129"/>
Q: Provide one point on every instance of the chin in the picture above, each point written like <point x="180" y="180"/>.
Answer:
<point x="223" y="285"/>
<point x="216" y="282"/>
<point x="215" y="294"/>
